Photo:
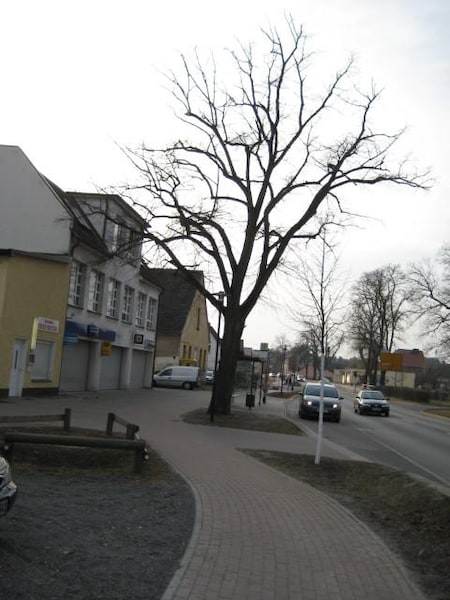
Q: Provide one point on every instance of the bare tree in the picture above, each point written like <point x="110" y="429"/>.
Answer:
<point x="318" y="299"/>
<point x="378" y="310"/>
<point x="430" y="298"/>
<point x="254" y="174"/>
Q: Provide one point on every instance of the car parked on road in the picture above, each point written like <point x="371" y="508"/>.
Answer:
<point x="209" y="376"/>
<point x="309" y="405"/>
<point x="370" y="401"/>
<point x="177" y="376"/>
<point x="8" y="489"/>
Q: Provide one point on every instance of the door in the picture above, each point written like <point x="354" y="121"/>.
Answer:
<point x="110" y="369"/>
<point x="138" y="365"/>
<point x="17" y="368"/>
<point x="74" y="367"/>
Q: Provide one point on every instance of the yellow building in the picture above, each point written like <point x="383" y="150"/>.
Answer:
<point x="35" y="230"/>
<point x="183" y="328"/>
<point x="33" y="299"/>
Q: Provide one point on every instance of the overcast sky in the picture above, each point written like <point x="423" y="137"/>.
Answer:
<point x="79" y="78"/>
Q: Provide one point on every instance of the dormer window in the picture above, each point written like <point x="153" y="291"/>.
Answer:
<point x="124" y="240"/>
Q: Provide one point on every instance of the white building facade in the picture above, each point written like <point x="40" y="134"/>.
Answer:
<point x="110" y="329"/>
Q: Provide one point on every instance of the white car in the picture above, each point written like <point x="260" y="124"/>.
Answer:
<point x="177" y="376"/>
<point x="209" y="376"/>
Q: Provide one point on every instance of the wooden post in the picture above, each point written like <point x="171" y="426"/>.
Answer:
<point x="139" y="460"/>
<point x="110" y="423"/>
<point x="66" y="419"/>
<point x="131" y="431"/>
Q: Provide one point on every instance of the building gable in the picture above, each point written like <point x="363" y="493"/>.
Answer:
<point x="176" y="299"/>
<point x="33" y="218"/>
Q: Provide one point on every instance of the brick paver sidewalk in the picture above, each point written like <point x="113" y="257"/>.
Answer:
<point x="259" y="534"/>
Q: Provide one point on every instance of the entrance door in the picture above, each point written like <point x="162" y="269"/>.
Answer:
<point x="17" y="369"/>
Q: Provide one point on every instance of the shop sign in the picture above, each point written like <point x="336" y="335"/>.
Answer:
<point x="48" y="325"/>
<point x="106" y="349"/>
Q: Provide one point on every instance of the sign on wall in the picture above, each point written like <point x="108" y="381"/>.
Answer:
<point x="106" y="348"/>
<point x="390" y="361"/>
<point x="49" y="325"/>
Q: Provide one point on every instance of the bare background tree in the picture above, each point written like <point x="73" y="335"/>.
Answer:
<point x="378" y="311"/>
<point x="265" y="160"/>
<point x="429" y="286"/>
<point x="318" y="299"/>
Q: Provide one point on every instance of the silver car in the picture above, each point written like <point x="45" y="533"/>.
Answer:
<point x="8" y="489"/>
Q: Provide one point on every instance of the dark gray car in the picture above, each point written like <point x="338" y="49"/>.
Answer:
<point x="371" y="402"/>
<point x="310" y="402"/>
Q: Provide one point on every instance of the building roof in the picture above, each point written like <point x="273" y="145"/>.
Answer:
<point x="176" y="298"/>
<point x="87" y="197"/>
<point x="146" y="273"/>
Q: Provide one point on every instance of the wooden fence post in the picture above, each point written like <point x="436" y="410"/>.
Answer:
<point x="110" y="423"/>
<point x="66" y="419"/>
<point x="131" y="431"/>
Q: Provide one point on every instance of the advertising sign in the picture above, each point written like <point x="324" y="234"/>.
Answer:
<point x="49" y="325"/>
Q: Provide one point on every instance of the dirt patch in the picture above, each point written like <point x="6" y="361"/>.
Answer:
<point x="244" y="419"/>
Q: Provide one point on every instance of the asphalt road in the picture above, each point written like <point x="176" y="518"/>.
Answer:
<point x="408" y="439"/>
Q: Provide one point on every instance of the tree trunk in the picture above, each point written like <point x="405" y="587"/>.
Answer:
<point x="229" y="356"/>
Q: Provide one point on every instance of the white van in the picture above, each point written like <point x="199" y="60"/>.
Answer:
<point x="175" y="376"/>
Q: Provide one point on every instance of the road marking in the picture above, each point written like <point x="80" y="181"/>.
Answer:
<point x="416" y="464"/>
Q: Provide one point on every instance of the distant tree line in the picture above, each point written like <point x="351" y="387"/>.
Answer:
<point x="383" y="302"/>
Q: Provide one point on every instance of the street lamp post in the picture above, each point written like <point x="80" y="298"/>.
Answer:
<point x="283" y="358"/>
<point x="221" y="296"/>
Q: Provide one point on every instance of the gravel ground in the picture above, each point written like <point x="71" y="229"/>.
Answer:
<point x="85" y="526"/>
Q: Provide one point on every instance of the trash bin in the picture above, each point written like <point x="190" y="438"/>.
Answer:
<point x="250" y="400"/>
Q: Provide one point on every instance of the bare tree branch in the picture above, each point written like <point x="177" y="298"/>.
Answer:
<point x="255" y="174"/>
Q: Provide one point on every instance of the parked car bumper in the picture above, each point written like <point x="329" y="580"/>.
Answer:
<point x="8" y="489"/>
<point x="373" y="410"/>
<point x="312" y="412"/>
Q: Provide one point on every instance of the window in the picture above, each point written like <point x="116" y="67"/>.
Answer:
<point x="95" y="291"/>
<point x="43" y="361"/>
<point x="76" y="286"/>
<point x="151" y="314"/>
<point x="114" y="236"/>
<point x="127" y="305"/>
<point x="135" y="243"/>
<point x="124" y="240"/>
<point x="140" y="309"/>
<point x="113" y="298"/>
<point x="198" y="319"/>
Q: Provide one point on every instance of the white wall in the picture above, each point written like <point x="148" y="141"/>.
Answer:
<point x="32" y="218"/>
